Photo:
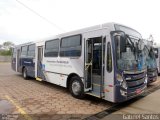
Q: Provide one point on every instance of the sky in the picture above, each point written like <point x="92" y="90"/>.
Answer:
<point x="29" y="20"/>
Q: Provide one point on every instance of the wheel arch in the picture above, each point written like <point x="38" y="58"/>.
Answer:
<point x="69" y="78"/>
<point x="23" y="67"/>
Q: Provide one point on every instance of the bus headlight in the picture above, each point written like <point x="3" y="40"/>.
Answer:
<point x="124" y="88"/>
<point x="146" y="79"/>
<point x="124" y="84"/>
<point x="123" y="93"/>
<point x="119" y="77"/>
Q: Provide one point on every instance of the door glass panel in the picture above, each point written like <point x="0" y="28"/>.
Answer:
<point x="88" y="64"/>
<point x="97" y="57"/>
<point x="109" y="57"/>
<point x="39" y="63"/>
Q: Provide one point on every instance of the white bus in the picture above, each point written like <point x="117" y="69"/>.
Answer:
<point x="157" y="55"/>
<point x="151" y="61"/>
<point x="103" y="61"/>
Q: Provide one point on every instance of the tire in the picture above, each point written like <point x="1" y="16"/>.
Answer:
<point x="76" y="87"/>
<point x="24" y="73"/>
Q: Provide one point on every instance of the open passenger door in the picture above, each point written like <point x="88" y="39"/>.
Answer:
<point x="94" y="62"/>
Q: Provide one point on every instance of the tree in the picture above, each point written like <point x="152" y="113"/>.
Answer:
<point x="6" y="48"/>
<point x="8" y="45"/>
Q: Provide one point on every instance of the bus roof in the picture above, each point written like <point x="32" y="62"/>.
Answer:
<point x="84" y="30"/>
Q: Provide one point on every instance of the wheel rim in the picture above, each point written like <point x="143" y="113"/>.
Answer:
<point x="76" y="87"/>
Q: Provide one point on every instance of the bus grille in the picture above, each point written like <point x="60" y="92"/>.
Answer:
<point x="135" y="83"/>
<point x="152" y="73"/>
<point x="136" y="80"/>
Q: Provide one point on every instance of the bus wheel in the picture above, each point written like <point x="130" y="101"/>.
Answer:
<point x="24" y="73"/>
<point x="76" y="87"/>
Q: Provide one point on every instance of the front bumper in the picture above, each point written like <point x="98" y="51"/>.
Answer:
<point x="151" y="76"/>
<point x="152" y="79"/>
<point x="129" y="93"/>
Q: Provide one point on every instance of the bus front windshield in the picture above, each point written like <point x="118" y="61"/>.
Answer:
<point x="151" y="59"/>
<point x="130" y="55"/>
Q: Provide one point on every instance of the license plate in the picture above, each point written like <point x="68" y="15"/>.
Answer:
<point x="138" y="91"/>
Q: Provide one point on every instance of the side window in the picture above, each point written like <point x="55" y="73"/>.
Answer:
<point x="71" y="46"/>
<point x="24" y="51"/>
<point x="51" y="48"/>
<point x="109" y="57"/>
<point x="31" y="50"/>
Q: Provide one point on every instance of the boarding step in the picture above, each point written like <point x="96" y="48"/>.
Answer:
<point x="96" y="90"/>
<point x="39" y="79"/>
<point x="93" y="93"/>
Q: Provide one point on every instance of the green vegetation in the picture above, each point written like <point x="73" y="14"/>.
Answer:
<point x="5" y="48"/>
<point x="6" y="52"/>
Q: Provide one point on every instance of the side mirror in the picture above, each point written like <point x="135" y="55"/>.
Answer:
<point x="119" y="39"/>
<point x="118" y="33"/>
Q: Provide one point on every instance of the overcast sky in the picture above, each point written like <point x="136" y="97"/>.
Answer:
<point x="19" y="24"/>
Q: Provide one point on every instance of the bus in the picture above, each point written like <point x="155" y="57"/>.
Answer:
<point x="157" y="54"/>
<point x="105" y="61"/>
<point x="151" y="62"/>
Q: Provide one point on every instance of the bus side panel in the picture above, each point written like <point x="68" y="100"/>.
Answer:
<point x="109" y="76"/>
<point x="158" y="61"/>
<point x="19" y="65"/>
<point x="13" y="63"/>
<point x="29" y="65"/>
<point x="56" y="78"/>
<point x="58" y="69"/>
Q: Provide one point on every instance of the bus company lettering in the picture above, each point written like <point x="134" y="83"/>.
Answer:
<point x="57" y="61"/>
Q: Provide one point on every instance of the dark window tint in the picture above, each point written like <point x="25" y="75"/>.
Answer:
<point x="128" y="31"/>
<point x="51" y="48"/>
<point x="71" y="41"/>
<point x="31" y="47"/>
<point x="71" y="46"/>
<point x="24" y="51"/>
<point x="31" y="50"/>
<point x="24" y="48"/>
<point x="109" y="57"/>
